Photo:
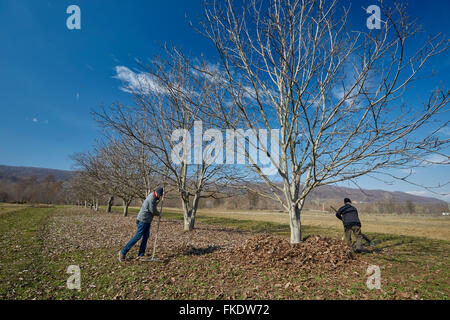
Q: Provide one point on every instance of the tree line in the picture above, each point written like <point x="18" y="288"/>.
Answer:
<point x="32" y="190"/>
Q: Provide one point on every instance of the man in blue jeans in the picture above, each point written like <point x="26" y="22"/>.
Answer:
<point x="144" y="221"/>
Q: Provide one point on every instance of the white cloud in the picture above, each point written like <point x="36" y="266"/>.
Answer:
<point x="408" y="171"/>
<point x="445" y="131"/>
<point x="437" y="159"/>
<point x="36" y="120"/>
<point x="136" y="82"/>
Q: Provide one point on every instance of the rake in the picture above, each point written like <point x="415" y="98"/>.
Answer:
<point x="153" y="259"/>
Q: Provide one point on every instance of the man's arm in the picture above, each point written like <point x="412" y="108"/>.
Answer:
<point x="339" y="214"/>
<point x="154" y="208"/>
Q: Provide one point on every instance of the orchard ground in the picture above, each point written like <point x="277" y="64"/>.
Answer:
<point x="230" y="255"/>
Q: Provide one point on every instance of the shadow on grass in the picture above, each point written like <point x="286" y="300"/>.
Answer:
<point x="370" y="250"/>
<point x="193" y="251"/>
<point x="396" y="244"/>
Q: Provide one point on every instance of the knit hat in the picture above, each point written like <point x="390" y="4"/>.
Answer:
<point x="159" y="191"/>
<point x="347" y="200"/>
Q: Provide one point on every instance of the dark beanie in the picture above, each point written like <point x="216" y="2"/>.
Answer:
<point x="159" y="191"/>
<point x="347" y="200"/>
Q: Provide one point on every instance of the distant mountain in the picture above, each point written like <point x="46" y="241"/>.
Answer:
<point x="337" y="193"/>
<point x="12" y="174"/>
<point x="366" y="195"/>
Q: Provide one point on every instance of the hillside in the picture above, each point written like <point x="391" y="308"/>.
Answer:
<point x="366" y="195"/>
<point x="12" y="173"/>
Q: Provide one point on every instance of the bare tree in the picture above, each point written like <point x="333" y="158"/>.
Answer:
<point x="334" y="94"/>
<point x="123" y="164"/>
<point x="142" y="182"/>
<point x="170" y="97"/>
<point x="83" y="188"/>
<point x="94" y="178"/>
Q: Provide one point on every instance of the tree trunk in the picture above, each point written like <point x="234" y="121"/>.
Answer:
<point x="126" y="204"/>
<point x="96" y="205"/>
<point x="186" y="215"/>
<point x="294" y="222"/>
<point x="189" y="220"/>
<point x="85" y="203"/>
<point x="189" y="214"/>
<point x="110" y="203"/>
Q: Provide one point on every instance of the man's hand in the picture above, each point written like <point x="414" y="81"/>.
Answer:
<point x="338" y="215"/>
<point x="157" y="214"/>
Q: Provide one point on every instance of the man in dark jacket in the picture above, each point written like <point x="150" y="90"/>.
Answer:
<point x="144" y="221"/>
<point x="349" y="216"/>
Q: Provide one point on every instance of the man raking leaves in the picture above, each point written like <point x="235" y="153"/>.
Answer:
<point x="349" y="217"/>
<point x="144" y="221"/>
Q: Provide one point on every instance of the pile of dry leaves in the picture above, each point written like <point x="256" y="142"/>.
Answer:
<point x="314" y="252"/>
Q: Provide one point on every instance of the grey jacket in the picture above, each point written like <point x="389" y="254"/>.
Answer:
<point x="148" y="209"/>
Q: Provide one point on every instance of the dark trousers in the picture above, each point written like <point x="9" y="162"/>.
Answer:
<point x="356" y="230"/>
<point x="143" y="231"/>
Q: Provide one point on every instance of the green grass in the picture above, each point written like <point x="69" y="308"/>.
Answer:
<point x="21" y="250"/>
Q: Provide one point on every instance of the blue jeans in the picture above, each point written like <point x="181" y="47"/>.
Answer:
<point x="143" y="231"/>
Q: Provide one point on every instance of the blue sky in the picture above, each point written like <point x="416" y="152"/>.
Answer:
<point x="52" y="77"/>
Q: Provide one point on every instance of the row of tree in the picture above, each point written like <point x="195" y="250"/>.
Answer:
<point x="288" y="67"/>
<point x="30" y="190"/>
<point x="117" y="167"/>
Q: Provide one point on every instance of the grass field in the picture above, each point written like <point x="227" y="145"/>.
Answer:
<point x="38" y="244"/>
<point x="433" y="227"/>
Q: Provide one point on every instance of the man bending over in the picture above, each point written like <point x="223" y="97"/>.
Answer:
<point x="144" y="221"/>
